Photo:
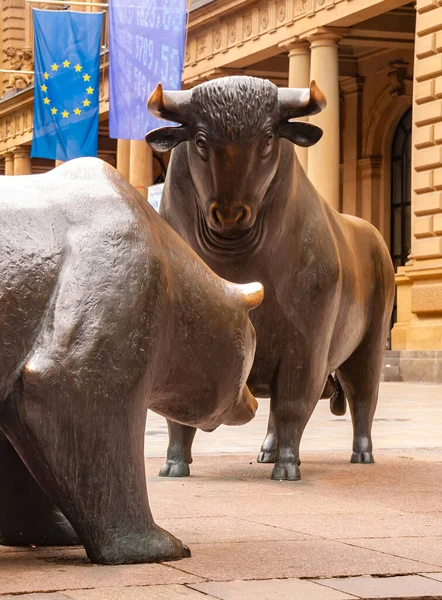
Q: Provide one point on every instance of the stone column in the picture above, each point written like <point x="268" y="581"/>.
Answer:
<point x="299" y="77"/>
<point x="370" y="182"/>
<point x="323" y="157"/>
<point x="123" y="157"/>
<point x="140" y="172"/>
<point x="9" y="163"/>
<point x="22" y="161"/>
<point x="351" y="128"/>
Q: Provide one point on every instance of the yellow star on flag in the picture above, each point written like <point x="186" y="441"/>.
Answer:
<point x="65" y="114"/>
<point x="54" y="67"/>
<point x="86" y="77"/>
<point x="90" y="90"/>
<point x="46" y="75"/>
<point x="86" y="102"/>
<point x="46" y="100"/>
<point x="44" y="88"/>
<point x="66" y="64"/>
<point x="54" y="110"/>
<point x="78" y="68"/>
<point x="77" y="111"/>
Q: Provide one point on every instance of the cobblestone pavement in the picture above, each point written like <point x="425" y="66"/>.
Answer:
<point x="343" y="531"/>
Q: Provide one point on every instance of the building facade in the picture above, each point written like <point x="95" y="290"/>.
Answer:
<point x="379" y="63"/>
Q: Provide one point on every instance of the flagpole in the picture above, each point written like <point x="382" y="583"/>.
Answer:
<point x="189" y="3"/>
<point x="67" y="3"/>
<point x="16" y="71"/>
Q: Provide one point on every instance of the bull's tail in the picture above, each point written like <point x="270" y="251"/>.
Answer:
<point x="338" y="403"/>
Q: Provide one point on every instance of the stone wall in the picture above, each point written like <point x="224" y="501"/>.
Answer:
<point x="419" y="326"/>
<point x="12" y="34"/>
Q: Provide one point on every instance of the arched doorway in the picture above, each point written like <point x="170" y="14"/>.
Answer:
<point x="400" y="244"/>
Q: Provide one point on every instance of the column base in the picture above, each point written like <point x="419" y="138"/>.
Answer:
<point x="418" y="333"/>
<point x="424" y="366"/>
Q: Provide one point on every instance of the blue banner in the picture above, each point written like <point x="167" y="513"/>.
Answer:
<point x="66" y="95"/>
<point x="146" y="45"/>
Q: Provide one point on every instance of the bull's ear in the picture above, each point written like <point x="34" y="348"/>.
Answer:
<point x="300" y="133"/>
<point x="166" y="138"/>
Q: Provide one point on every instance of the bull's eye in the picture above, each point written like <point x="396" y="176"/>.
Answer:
<point x="268" y="143"/>
<point x="201" y="143"/>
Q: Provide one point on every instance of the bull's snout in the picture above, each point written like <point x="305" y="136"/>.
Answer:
<point x="226" y="218"/>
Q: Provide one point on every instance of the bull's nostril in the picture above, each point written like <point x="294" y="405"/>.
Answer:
<point x="216" y="215"/>
<point x="243" y="214"/>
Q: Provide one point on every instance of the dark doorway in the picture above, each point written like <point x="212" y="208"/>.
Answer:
<point x="401" y="195"/>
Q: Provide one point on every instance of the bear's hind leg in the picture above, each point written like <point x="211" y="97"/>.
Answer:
<point x="87" y="453"/>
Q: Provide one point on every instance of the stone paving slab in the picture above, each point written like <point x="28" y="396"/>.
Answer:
<point x="52" y="570"/>
<point x="412" y="586"/>
<point x="426" y="549"/>
<point x="151" y="592"/>
<point x="437" y="576"/>
<point x="292" y="559"/>
<point x="226" y="529"/>
<point x="51" y="596"/>
<point x="272" y="589"/>
<point x="354" y="526"/>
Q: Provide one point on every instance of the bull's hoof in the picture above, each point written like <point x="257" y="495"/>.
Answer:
<point x="365" y="458"/>
<point x="266" y="457"/>
<point x="286" y="472"/>
<point x="173" y="468"/>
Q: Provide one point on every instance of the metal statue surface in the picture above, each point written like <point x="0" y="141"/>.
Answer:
<point x="104" y="311"/>
<point x="236" y="192"/>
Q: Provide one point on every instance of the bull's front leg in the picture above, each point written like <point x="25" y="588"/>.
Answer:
<point x="296" y="393"/>
<point x="179" y="450"/>
<point x="268" y="448"/>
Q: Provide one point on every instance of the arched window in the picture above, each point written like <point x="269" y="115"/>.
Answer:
<point x="400" y="244"/>
<point x="401" y="192"/>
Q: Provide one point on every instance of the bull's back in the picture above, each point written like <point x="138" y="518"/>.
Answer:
<point x="30" y="258"/>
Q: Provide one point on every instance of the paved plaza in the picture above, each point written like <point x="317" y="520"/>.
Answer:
<point x="343" y="531"/>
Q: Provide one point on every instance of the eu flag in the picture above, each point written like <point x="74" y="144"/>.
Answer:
<point x="66" y="98"/>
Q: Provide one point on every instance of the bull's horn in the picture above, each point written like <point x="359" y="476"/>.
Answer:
<point x="252" y="294"/>
<point x="171" y="106"/>
<point x="300" y="102"/>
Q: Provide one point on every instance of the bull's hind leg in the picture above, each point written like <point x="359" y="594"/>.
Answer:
<point x="26" y="515"/>
<point x="179" y="450"/>
<point x="87" y="453"/>
<point x="360" y="376"/>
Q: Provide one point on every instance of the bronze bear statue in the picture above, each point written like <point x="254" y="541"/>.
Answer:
<point x="105" y="311"/>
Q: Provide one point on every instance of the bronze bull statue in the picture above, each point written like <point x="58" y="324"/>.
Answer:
<point x="104" y="311"/>
<point x="235" y="191"/>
